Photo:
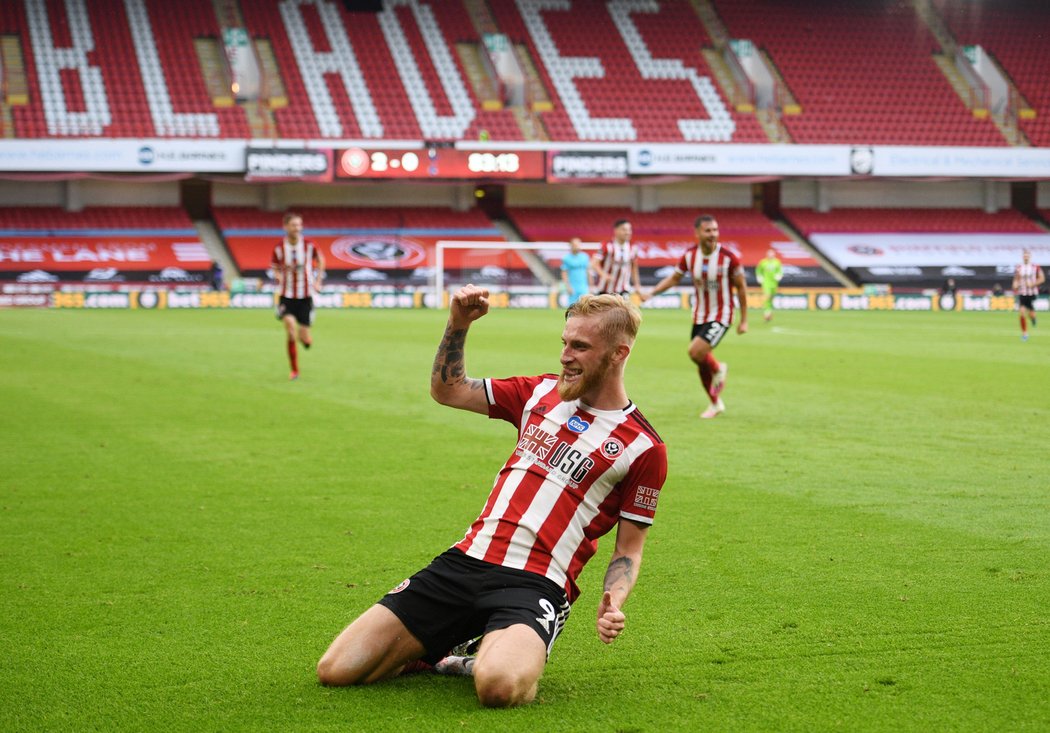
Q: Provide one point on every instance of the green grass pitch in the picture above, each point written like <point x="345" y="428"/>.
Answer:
<point x="862" y="541"/>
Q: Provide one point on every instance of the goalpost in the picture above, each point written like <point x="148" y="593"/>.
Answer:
<point x="536" y="247"/>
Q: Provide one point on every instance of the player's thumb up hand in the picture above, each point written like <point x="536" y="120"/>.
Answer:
<point x="611" y="619"/>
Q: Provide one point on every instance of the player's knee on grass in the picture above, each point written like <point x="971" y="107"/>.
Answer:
<point x="502" y="686"/>
<point x="332" y="672"/>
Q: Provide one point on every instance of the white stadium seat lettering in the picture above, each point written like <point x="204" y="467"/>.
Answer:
<point x="341" y="60"/>
<point x="720" y="127"/>
<point x="431" y="123"/>
<point x="51" y="61"/>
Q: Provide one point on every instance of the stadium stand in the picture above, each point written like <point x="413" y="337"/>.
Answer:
<point x="862" y="73"/>
<point x="1014" y="32"/>
<point x="920" y="248"/>
<point x="911" y="220"/>
<point x="392" y="246"/>
<point x="640" y="78"/>
<point x="368" y="64"/>
<point x="663" y="236"/>
<point x="106" y="245"/>
<point x="148" y="84"/>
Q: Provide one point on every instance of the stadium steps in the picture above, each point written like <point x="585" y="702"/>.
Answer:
<point x="1006" y="125"/>
<point x="485" y="87"/>
<point x="928" y="15"/>
<point x="216" y="246"/>
<point x="273" y="85"/>
<point x="796" y="236"/>
<point x="727" y="82"/>
<point x="260" y="120"/>
<point x="481" y="17"/>
<point x="713" y="24"/>
<point x="214" y="71"/>
<point x="537" y="95"/>
<point x="533" y="260"/>
<point x="12" y="68"/>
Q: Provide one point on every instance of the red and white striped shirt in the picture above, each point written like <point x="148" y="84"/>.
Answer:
<point x="1027" y="274"/>
<point x="617" y="261"/>
<point x="573" y="475"/>
<point x="712" y="280"/>
<point x="296" y="267"/>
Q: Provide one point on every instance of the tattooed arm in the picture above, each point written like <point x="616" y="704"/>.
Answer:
<point x="449" y="383"/>
<point x="620" y="577"/>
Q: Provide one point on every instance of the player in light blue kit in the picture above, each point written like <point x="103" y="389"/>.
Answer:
<point x="576" y="271"/>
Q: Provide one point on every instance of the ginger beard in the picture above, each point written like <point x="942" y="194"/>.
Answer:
<point x="581" y="381"/>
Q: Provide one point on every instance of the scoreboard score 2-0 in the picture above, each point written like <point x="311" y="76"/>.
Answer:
<point x="437" y="163"/>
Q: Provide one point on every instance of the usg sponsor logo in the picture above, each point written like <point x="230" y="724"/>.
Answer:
<point x="379" y="252"/>
<point x="577" y="424"/>
<point x="956" y="271"/>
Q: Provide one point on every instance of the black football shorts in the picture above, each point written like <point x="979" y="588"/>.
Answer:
<point x="711" y="332"/>
<point x="302" y="309"/>
<point x="457" y="598"/>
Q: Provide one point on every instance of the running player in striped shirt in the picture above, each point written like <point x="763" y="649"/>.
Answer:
<point x="716" y="273"/>
<point x="616" y="263"/>
<point x="1028" y="276"/>
<point x="299" y="270"/>
<point x="585" y="461"/>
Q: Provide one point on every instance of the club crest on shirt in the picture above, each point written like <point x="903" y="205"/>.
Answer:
<point x="577" y="424"/>
<point x="400" y="586"/>
<point x="612" y="448"/>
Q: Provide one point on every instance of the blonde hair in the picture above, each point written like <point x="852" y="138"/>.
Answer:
<point x="620" y="317"/>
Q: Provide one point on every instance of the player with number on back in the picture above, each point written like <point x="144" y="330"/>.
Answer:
<point x="716" y="273"/>
<point x="585" y="461"/>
